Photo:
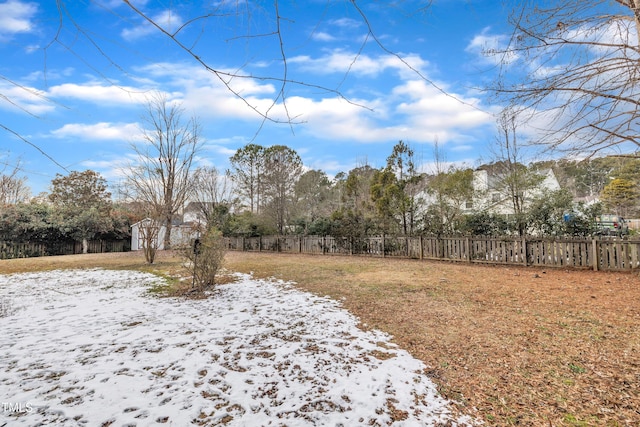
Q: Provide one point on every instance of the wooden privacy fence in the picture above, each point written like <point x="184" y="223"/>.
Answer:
<point x="25" y="250"/>
<point x="597" y="254"/>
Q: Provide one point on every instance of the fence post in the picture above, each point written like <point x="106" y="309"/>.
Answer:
<point x="324" y="244"/>
<point x="383" y="246"/>
<point x="595" y="257"/>
<point x="525" y="261"/>
<point x="467" y="244"/>
<point x="421" y="248"/>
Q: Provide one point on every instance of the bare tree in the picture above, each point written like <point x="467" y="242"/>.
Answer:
<point x="13" y="188"/>
<point x="149" y="237"/>
<point x="213" y="195"/>
<point x="577" y="72"/>
<point x="162" y="176"/>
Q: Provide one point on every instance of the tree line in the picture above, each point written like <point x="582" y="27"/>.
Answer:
<point x="78" y="208"/>
<point x="267" y="190"/>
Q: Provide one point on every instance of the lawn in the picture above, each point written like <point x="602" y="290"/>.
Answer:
<point x="512" y="346"/>
<point x="93" y="347"/>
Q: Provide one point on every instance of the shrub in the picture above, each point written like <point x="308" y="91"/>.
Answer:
<point x="206" y="256"/>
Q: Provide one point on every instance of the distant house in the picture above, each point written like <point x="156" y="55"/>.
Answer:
<point x="491" y="195"/>
<point x="194" y="212"/>
<point x="182" y="233"/>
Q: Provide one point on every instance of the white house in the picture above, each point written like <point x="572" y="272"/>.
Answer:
<point x="490" y="193"/>
<point x="181" y="234"/>
<point x="194" y="212"/>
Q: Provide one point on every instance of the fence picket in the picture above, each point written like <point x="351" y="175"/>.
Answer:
<point x="25" y="250"/>
<point x="562" y="252"/>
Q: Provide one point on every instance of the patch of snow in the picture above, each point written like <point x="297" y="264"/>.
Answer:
<point x="94" y="348"/>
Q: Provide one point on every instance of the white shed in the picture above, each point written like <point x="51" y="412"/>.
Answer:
<point x="181" y="234"/>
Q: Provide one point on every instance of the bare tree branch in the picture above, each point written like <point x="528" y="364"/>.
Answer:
<point x="578" y="72"/>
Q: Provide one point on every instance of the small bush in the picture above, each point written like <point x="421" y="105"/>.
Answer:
<point x="205" y="259"/>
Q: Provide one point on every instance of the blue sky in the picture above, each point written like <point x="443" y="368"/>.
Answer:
<point x="75" y="85"/>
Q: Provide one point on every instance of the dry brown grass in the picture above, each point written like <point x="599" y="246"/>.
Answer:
<point x="166" y="262"/>
<point x="513" y="346"/>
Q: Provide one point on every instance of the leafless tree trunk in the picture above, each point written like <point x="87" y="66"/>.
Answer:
<point x="162" y="177"/>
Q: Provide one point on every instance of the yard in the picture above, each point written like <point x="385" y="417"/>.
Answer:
<point x="510" y="346"/>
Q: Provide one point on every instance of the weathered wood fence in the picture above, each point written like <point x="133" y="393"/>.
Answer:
<point x="25" y="250"/>
<point x="593" y="253"/>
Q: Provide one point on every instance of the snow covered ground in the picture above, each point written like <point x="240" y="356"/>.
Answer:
<point x="93" y="348"/>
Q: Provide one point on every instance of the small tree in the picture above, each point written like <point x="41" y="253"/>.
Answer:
<point x="149" y="235"/>
<point x="206" y="256"/>
<point x="450" y="191"/>
<point x="620" y="196"/>
<point x="313" y="199"/>
<point x="389" y="199"/>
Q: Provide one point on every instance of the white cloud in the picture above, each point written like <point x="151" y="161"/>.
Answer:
<point x="321" y="36"/>
<point x="340" y="61"/>
<point x="16" y="17"/>
<point x="346" y="23"/>
<point x="205" y="95"/>
<point x="114" y="168"/>
<point x="168" y="20"/>
<point x="492" y="48"/>
<point x="100" y="94"/>
<point x="25" y="98"/>
<point x="186" y="76"/>
<point x="102" y="131"/>
<point x="429" y="108"/>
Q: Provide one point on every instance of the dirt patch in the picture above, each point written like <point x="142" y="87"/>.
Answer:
<point x="513" y="346"/>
